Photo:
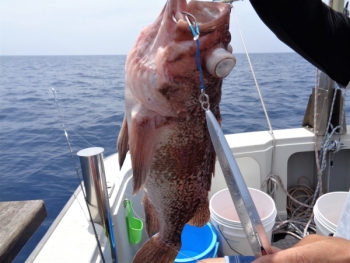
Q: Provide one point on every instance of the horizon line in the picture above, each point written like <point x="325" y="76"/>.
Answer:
<point x="47" y="55"/>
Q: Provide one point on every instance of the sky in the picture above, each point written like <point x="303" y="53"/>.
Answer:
<point x="105" y="27"/>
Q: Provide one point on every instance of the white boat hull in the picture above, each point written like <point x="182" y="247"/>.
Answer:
<point x="291" y="155"/>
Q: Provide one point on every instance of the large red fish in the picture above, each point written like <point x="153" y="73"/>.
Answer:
<point x="164" y="126"/>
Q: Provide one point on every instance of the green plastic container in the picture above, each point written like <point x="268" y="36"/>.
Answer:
<point x="134" y="225"/>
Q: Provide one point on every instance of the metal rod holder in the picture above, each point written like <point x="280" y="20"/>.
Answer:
<point x="92" y="167"/>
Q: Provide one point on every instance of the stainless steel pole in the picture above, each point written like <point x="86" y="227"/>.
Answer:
<point x="92" y="167"/>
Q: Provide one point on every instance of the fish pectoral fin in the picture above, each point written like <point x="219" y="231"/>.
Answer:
<point x="123" y="143"/>
<point x="141" y="142"/>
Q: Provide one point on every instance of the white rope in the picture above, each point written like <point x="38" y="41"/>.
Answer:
<point x="259" y="92"/>
<point x="256" y="82"/>
<point x="319" y="171"/>
<point x="327" y="145"/>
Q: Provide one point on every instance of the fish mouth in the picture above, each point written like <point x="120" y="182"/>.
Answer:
<point x="175" y="9"/>
<point x="207" y="15"/>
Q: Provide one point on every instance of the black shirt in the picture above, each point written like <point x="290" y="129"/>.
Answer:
<point x="312" y="29"/>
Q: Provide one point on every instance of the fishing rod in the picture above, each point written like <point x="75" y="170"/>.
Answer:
<point x="91" y="160"/>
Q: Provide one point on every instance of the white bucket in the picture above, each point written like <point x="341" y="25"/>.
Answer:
<point x="327" y="211"/>
<point x="225" y="220"/>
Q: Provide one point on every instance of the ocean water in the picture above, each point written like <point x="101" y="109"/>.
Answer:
<point x="35" y="159"/>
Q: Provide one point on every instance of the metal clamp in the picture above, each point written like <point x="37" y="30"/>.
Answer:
<point x="204" y="100"/>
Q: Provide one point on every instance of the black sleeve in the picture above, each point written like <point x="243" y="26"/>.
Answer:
<point x="312" y="29"/>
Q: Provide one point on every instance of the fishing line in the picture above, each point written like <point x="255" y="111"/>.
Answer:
<point x="259" y="92"/>
<point x="77" y="172"/>
<point x="77" y="134"/>
<point x="132" y="207"/>
<point x="72" y="127"/>
<point x="228" y="242"/>
<point x="248" y="214"/>
<point x="312" y="197"/>
<point x="289" y="233"/>
<point x="254" y="77"/>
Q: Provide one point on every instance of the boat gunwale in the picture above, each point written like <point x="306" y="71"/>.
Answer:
<point x="53" y="226"/>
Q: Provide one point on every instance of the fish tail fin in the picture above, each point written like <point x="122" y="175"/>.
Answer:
<point x="154" y="250"/>
<point x="123" y="143"/>
<point x="202" y="215"/>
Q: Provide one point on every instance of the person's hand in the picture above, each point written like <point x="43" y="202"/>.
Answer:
<point x="312" y="249"/>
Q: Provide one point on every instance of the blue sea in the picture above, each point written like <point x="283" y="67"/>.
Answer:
<point x="35" y="159"/>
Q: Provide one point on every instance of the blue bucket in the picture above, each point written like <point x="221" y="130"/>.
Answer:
<point x="197" y="243"/>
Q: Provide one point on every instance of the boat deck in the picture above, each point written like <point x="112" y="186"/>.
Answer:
<point x="283" y="241"/>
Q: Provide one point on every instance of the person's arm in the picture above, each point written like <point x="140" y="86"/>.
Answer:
<point x="214" y="260"/>
<point x="312" y="29"/>
<point x="313" y="248"/>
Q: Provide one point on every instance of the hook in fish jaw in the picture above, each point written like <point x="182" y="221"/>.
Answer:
<point x="193" y="26"/>
<point x="204" y="100"/>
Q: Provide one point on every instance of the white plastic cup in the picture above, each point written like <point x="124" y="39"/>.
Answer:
<point x="327" y="211"/>
<point x="224" y="217"/>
